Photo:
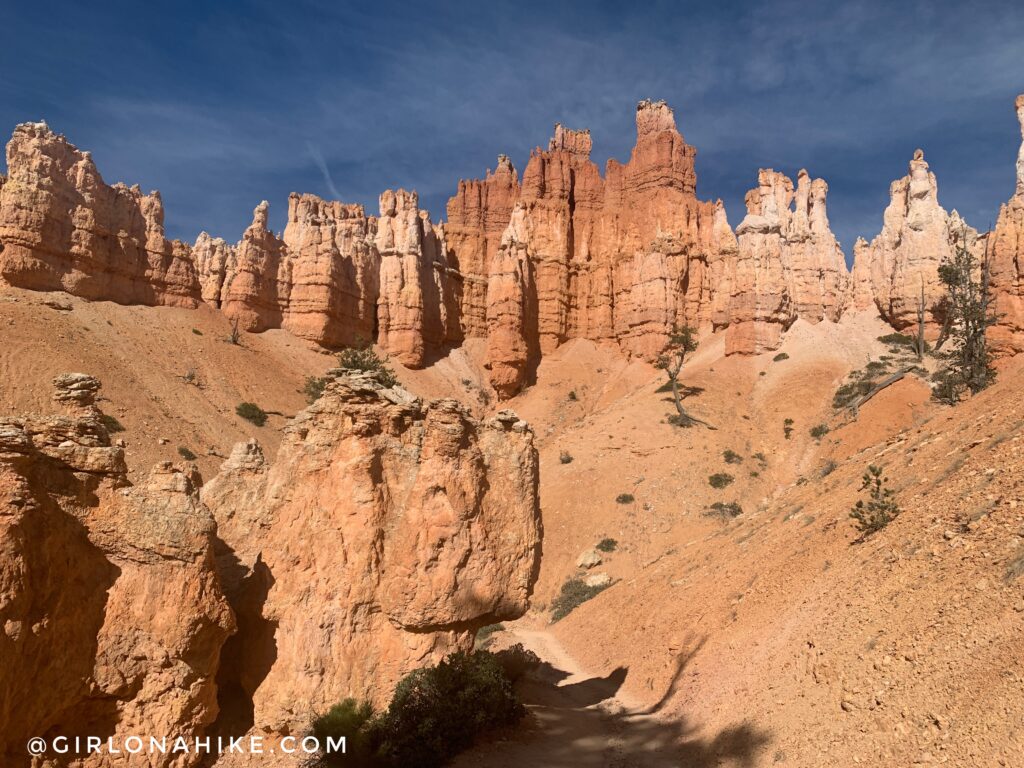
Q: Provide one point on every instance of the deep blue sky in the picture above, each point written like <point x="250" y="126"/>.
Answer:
<point x="221" y="104"/>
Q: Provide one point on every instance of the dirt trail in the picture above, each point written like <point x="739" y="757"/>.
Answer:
<point x="581" y="720"/>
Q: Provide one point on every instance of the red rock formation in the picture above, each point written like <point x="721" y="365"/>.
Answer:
<point x="63" y="229"/>
<point x="917" y="234"/>
<point x="381" y="537"/>
<point x="477" y="218"/>
<point x="111" y="611"/>
<point x="1006" y="250"/>
<point x="789" y="265"/>
<point x="255" y="294"/>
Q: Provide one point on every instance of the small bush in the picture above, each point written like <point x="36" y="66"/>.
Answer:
<point x="186" y="454"/>
<point x="484" y="634"/>
<point x="574" y="593"/>
<point x="355" y="722"/>
<point x="787" y="428"/>
<point x="314" y="388"/>
<point x="437" y="712"/>
<point x="572" y="395"/>
<point x="625" y="498"/>
<point x="829" y="468"/>
<point x="819" y="431"/>
<point x="721" y="509"/>
<point x="731" y="457"/>
<point x="112" y="424"/>
<point x="607" y="545"/>
<point x="720" y="479"/>
<point x="780" y="357"/>
<point x="755" y="473"/>
<point x="760" y="457"/>
<point x="252" y="412"/>
<point x="898" y="339"/>
<point x="880" y="509"/>
<point x="516" y="661"/>
<point x="565" y="457"/>
<point x="362" y="358"/>
<point x="197" y="332"/>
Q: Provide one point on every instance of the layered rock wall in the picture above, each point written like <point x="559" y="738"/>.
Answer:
<point x="1006" y="252"/>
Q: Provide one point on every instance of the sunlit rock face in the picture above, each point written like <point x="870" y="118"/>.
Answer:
<point x="62" y="228"/>
<point x="1006" y="251"/>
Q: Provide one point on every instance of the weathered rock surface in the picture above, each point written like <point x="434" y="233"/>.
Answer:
<point x="111" y="611"/>
<point x="1006" y="251"/>
<point x="63" y="228"/>
<point x="917" y="234"/>
<point x="789" y="265"/>
<point x="385" y="532"/>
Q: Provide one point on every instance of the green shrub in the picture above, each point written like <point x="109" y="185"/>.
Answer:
<point x="721" y="509"/>
<point x="437" y="712"/>
<point x="355" y="723"/>
<point x="484" y="634"/>
<point x="787" y="428"/>
<point x="720" y="479"/>
<point x="252" y="412"/>
<point x="197" y="332"/>
<point x="516" y="661"/>
<point x="898" y="339"/>
<point x="731" y="457"/>
<point x="760" y="457"/>
<point x="186" y="454"/>
<point x="363" y="358"/>
<point x="565" y="457"/>
<point x="572" y="395"/>
<point x="780" y="357"/>
<point x="112" y="424"/>
<point x="574" y="593"/>
<point x="607" y="545"/>
<point x="880" y="509"/>
<point x="819" y="431"/>
<point x="313" y="388"/>
<point x="755" y="473"/>
<point x="625" y="498"/>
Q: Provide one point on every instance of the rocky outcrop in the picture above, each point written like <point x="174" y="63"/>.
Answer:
<point x="789" y="264"/>
<point x="385" y="532"/>
<point x="111" y="611"/>
<point x="917" y="234"/>
<point x="62" y="228"/>
<point x="1006" y="252"/>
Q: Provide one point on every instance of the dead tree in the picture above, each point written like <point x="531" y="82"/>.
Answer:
<point x="681" y="341"/>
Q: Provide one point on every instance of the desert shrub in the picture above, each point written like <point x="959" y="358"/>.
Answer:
<point x="252" y="412"/>
<point x="362" y="358"/>
<point x="484" y="634"/>
<point x="112" y="424"/>
<point x="780" y="357"/>
<point x="314" y="388"/>
<point x="437" y="712"/>
<point x="721" y="509"/>
<point x="197" y="332"/>
<point x="625" y="498"/>
<point x="760" y="457"/>
<point x="355" y="722"/>
<point x="731" y="457"/>
<point x="755" y="473"/>
<point x="787" y="428"/>
<point x="898" y="340"/>
<point x="720" y="479"/>
<point x="186" y="454"/>
<point x="572" y="395"/>
<point x="565" y="457"/>
<point x="819" y="431"/>
<point x="574" y="593"/>
<point x="516" y="661"/>
<point x="829" y="468"/>
<point x="607" y="545"/>
<point x="880" y="509"/>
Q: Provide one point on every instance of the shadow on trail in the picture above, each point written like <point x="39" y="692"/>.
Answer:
<point x="566" y="729"/>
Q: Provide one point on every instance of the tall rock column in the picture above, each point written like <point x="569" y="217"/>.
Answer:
<point x="1006" y="251"/>
<point x="256" y="293"/>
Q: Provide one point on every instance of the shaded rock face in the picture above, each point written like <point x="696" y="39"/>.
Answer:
<point x="382" y="536"/>
<point x="1006" y="253"/>
<point x="111" y="610"/>
<point x="63" y="228"/>
<point x="789" y="264"/>
<point x="917" y="235"/>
